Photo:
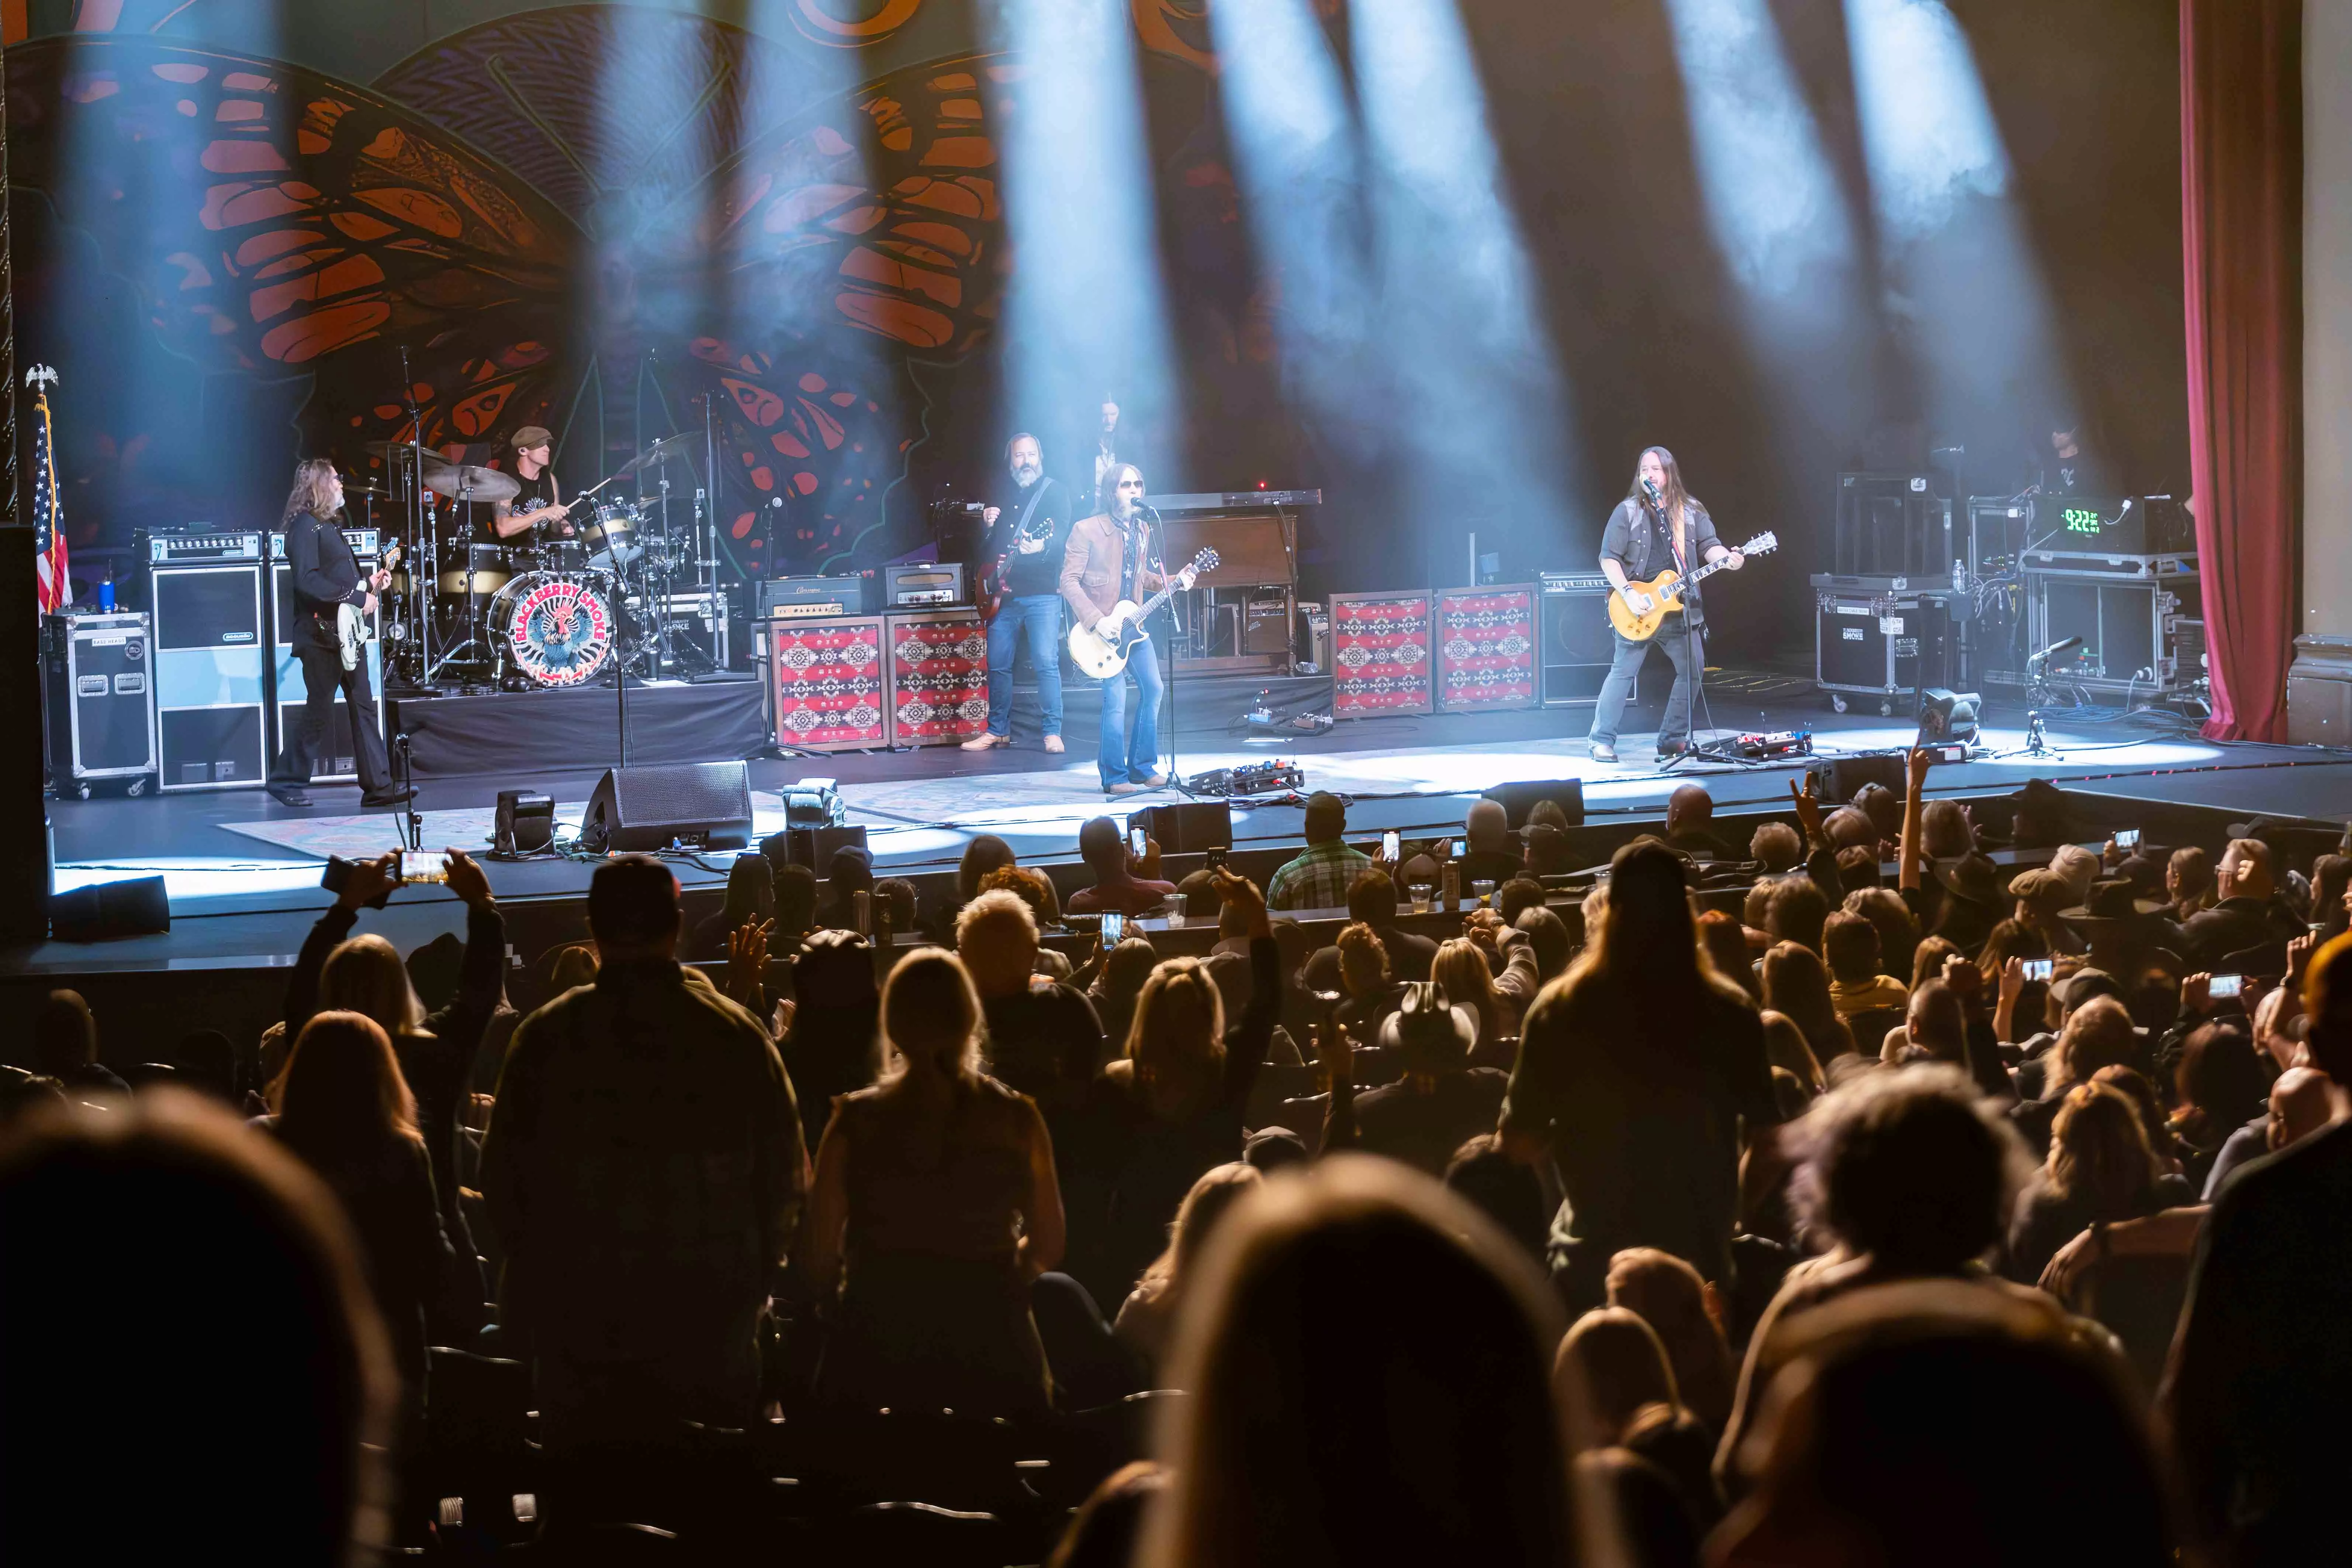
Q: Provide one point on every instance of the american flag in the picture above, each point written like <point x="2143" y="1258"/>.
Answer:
<point x="48" y="513"/>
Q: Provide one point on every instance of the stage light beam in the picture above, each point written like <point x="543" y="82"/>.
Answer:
<point x="1085" y="310"/>
<point x="1928" y="134"/>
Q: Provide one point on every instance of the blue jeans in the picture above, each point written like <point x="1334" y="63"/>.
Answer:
<point x="1682" y="645"/>
<point x="1039" y="615"/>
<point x="1125" y="761"/>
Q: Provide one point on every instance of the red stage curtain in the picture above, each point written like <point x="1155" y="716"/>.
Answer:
<point x="2242" y="234"/>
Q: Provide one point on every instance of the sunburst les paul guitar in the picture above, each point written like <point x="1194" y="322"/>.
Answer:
<point x="1666" y="591"/>
<point x="1103" y="657"/>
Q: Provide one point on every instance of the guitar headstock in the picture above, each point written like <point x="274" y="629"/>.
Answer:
<point x="1762" y="544"/>
<point x="1205" y="562"/>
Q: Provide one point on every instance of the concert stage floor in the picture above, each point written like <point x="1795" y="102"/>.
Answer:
<point x="240" y="853"/>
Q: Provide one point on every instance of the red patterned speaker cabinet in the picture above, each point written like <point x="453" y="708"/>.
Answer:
<point x="824" y="683"/>
<point x="937" y="667"/>
<point x="1486" y="648"/>
<point x="1380" y="654"/>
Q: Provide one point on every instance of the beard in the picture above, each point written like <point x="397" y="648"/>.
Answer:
<point x="1026" y="477"/>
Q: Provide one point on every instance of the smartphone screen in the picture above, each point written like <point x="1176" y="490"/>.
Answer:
<point x="1214" y="860"/>
<point x="2039" y="968"/>
<point x="2223" y="987"/>
<point x="424" y="865"/>
<point x="2128" y="838"/>
<point x="1135" y="841"/>
<point x="1114" y="927"/>
<point x="1388" y="845"/>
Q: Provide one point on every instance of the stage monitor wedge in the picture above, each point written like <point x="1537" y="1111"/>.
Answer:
<point x="1187" y="828"/>
<point x="1519" y="799"/>
<point x="690" y="805"/>
<point x="100" y="911"/>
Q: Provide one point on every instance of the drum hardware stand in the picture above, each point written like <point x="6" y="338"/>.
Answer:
<point x="473" y="639"/>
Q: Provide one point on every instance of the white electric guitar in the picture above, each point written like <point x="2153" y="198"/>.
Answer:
<point x="351" y="628"/>
<point x="1103" y="657"/>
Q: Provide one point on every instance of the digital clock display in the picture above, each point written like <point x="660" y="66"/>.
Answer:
<point x="2081" y="520"/>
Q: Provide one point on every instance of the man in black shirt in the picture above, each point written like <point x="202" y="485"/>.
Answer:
<point x="1657" y="527"/>
<point x="326" y="577"/>
<point x="1028" y="537"/>
<point x="540" y="500"/>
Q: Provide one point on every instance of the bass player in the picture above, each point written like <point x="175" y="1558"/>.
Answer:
<point x="1026" y="540"/>
<point x="1659" y="525"/>
<point x="1115" y="555"/>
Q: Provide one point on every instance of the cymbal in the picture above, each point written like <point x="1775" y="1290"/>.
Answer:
<point x="663" y="451"/>
<point x="390" y="449"/>
<point x="478" y="483"/>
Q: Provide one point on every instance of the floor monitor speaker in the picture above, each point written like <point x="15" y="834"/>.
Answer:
<point x="1187" y="828"/>
<point x="692" y="805"/>
<point x="137" y="907"/>
<point x="1519" y="799"/>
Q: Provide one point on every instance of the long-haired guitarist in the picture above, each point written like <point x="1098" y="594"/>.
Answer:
<point x="325" y="576"/>
<point x="1659" y="526"/>
<point x="1027" y="537"/>
<point x="1114" y="556"/>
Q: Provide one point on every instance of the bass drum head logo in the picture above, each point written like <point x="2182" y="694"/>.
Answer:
<point x="561" y="633"/>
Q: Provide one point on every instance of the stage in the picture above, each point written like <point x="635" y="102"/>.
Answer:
<point x="238" y="852"/>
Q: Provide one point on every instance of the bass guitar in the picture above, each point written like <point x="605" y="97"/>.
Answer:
<point x="1666" y="591"/>
<point x="351" y="630"/>
<point x="1103" y="657"/>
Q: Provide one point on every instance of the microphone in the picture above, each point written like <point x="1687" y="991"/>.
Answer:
<point x="1655" y="498"/>
<point x="2054" y="649"/>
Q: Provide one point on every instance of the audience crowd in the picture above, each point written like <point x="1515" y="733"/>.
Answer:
<point x="1891" y="1189"/>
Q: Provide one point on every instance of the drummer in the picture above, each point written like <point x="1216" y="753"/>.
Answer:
<point x="540" y="500"/>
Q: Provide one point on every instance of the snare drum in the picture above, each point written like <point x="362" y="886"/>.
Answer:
<point x="476" y="568"/>
<point x="612" y="534"/>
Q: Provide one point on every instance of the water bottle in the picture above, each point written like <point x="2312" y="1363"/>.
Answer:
<point x="106" y="590"/>
<point x="1960" y="575"/>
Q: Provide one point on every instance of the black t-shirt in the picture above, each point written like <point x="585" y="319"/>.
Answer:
<point x="1044" y="1043"/>
<point x="534" y="494"/>
<point x="1642" y="1100"/>
<point x="1424" y="1130"/>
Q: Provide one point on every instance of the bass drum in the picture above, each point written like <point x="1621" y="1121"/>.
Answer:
<point x="552" y="628"/>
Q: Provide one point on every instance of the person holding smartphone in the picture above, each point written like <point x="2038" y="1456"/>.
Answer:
<point x="1124" y="880"/>
<point x="1319" y="877"/>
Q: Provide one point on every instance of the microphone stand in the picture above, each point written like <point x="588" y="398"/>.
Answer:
<point x="1150" y="516"/>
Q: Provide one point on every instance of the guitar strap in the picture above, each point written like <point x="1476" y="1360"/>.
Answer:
<point x="1036" y="494"/>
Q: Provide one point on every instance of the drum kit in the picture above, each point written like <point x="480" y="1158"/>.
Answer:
<point x="549" y="608"/>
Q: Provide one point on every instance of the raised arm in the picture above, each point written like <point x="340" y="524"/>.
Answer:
<point x="1914" y="790"/>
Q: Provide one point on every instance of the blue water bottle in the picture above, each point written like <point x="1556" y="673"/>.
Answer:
<point x="106" y="590"/>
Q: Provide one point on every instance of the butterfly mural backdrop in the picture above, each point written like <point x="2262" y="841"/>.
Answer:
<point x="612" y="222"/>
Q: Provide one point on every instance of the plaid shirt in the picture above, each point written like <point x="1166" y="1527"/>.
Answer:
<point x="1318" y="879"/>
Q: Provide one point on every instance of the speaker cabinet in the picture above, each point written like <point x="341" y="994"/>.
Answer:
<point x="525" y="823"/>
<point x="210" y="674"/>
<point x="695" y="805"/>
<point x="1577" y="644"/>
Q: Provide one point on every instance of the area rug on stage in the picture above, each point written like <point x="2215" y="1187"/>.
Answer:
<point x="364" y="836"/>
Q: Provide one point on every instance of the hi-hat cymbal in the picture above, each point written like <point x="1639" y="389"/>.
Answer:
<point x="475" y="483"/>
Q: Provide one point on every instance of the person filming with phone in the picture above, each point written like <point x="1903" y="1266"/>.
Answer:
<point x="1125" y="877"/>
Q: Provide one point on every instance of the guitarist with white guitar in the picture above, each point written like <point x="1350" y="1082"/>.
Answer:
<point x="1113" y="563"/>
<point x="327" y="580"/>
<point x="1658" y="528"/>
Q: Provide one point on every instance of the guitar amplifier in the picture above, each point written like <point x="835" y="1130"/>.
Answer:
<point x="211" y="662"/>
<point x="924" y="585"/>
<point x="1577" y="644"/>
<point x="101" y="702"/>
<point x="809" y="598"/>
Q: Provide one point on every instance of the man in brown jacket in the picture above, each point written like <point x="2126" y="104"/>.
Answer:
<point x="1114" y="556"/>
<point x="643" y="1169"/>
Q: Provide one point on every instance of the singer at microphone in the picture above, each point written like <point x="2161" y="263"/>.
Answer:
<point x="1658" y="527"/>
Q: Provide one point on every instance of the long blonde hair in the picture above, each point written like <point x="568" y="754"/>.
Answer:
<point x="1177" y="1042"/>
<point x="313" y="477"/>
<point x="1461" y="969"/>
<point x="931" y="1017"/>
<point x="343" y="1097"/>
<point x="365" y="974"/>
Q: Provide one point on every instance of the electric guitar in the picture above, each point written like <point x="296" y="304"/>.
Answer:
<point x="1103" y="657"/>
<point x="1665" y="592"/>
<point x="351" y="630"/>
